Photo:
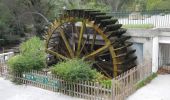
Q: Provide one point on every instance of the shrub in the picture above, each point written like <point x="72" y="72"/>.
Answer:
<point x="18" y="64"/>
<point x="34" y="47"/>
<point x="103" y="80"/>
<point x="75" y="70"/>
<point x="32" y="57"/>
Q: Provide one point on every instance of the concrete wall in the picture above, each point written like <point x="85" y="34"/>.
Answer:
<point x="139" y="51"/>
<point x="150" y="39"/>
<point x="155" y="56"/>
<point x="140" y="37"/>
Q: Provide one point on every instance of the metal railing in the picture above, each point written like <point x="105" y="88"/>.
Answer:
<point x="158" y="19"/>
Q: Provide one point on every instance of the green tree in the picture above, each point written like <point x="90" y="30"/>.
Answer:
<point x="158" y="5"/>
<point x="4" y="19"/>
<point x="21" y="13"/>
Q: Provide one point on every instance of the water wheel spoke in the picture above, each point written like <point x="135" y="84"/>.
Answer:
<point x="96" y="52"/>
<point x="83" y="47"/>
<point x="62" y="51"/>
<point x="66" y="43"/>
<point x="82" y="30"/>
<point x="93" y="41"/>
<point x="104" y="54"/>
<point x="74" y="33"/>
<point x="100" y="67"/>
<point x="57" y="54"/>
<point x="127" y="45"/>
<point x="84" y="42"/>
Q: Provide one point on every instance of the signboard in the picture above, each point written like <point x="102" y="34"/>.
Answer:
<point x="42" y="79"/>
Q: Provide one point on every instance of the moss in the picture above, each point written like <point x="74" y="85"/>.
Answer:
<point x="146" y="81"/>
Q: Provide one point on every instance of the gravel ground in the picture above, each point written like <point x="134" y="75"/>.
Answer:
<point x="9" y="91"/>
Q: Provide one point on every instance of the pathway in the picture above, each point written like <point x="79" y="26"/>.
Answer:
<point x="158" y="89"/>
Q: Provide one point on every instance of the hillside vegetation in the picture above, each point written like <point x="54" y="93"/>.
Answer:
<point x="23" y="18"/>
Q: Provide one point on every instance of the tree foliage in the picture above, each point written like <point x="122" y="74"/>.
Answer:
<point x="18" y="14"/>
<point x="158" y="4"/>
<point x="25" y="17"/>
<point x="4" y="18"/>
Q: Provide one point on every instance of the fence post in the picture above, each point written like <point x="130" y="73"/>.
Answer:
<point x="113" y="89"/>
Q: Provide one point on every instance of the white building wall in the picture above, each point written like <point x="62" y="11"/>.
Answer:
<point x="164" y="40"/>
<point x="155" y="54"/>
<point x="151" y="39"/>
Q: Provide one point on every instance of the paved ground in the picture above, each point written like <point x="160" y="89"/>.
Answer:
<point x="158" y="89"/>
<point x="9" y="91"/>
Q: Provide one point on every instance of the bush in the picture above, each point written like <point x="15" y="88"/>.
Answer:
<point x="32" y="57"/>
<point x="75" y="70"/>
<point x="34" y="47"/>
<point x="18" y="64"/>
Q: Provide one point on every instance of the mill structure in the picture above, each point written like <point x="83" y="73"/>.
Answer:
<point x="93" y="36"/>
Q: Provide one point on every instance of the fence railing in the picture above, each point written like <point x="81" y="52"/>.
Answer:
<point x="82" y="89"/>
<point x="122" y="86"/>
<point x="159" y="19"/>
<point x="126" y="84"/>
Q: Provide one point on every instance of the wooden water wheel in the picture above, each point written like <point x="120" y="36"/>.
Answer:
<point x="91" y="35"/>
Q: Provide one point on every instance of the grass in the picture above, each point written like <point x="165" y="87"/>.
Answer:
<point x="138" y="26"/>
<point x="146" y="81"/>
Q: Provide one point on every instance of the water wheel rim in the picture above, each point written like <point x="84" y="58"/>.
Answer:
<point x="74" y="54"/>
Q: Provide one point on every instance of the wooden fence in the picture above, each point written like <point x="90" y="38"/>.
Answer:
<point x="82" y="89"/>
<point x="122" y="86"/>
<point x="126" y="84"/>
